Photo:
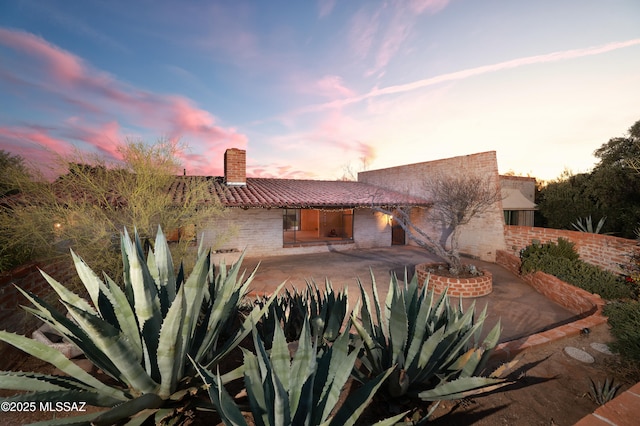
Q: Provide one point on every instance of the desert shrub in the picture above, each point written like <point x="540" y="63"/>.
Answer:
<point x="561" y="260"/>
<point x="537" y="254"/>
<point x="624" y="319"/>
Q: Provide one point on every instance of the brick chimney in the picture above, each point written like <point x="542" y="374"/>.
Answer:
<point x="235" y="167"/>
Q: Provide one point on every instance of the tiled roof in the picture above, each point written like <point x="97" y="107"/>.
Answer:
<point x="294" y="193"/>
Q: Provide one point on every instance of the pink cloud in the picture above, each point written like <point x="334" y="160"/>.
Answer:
<point x="63" y="66"/>
<point x="429" y="6"/>
<point x="274" y="170"/>
<point x="332" y="86"/>
<point x="36" y="146"/>
<point x="73" y="82"/>
<point x="104" y="138"/>
<point x="364" y="26"/>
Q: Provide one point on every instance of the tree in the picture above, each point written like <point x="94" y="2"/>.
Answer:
<point x="565" y="199"/>
<point x="456" y="200"/>
<point x="611" y="189"/>
<point x="14" y="170"/>
<point x="89" y="206"/>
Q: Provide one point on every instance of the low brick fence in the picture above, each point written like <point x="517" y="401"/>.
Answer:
<point x="601" y="250"/>
<point x="458" y="287"/>
<point x="586" y="306"/>
<point x="15" y="319"/>
<point x="574" y="299"/>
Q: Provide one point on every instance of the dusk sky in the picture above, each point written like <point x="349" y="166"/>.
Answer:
<point x="307" y="87"/>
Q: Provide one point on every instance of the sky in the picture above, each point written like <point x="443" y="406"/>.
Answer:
<point x="311" y="88"/>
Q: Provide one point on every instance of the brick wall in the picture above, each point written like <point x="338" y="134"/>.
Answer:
<point x="15" y="319"/>
<point x="485" y="233"/>
<point x="574" y="299"/>
<point x="602" y="250"/>
<point x="456" y="287"/>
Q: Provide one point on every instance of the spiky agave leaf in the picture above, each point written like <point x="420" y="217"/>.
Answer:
<point x="463" y="387"/>
<point x="71" y="331"/>
<point x="58" y="360"/>
<point x="428" y="339"/>
<point x="116" y="346"/>
<point x="228" y="410"/>
<point x="131" y="336"/>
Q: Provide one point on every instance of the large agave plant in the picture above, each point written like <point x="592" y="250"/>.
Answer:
<point x="141" y="337"/>
<point x="327" y="309"/>
<point x="432" y="344"/>
<point x="303" y="390"/>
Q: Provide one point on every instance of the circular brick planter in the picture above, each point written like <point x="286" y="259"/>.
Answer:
<point x="458" y="287"/>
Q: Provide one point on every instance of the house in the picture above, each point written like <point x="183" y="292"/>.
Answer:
<point x="518" y="195"/>
<point x="270" y="217"/>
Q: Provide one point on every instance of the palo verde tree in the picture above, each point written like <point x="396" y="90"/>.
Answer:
<point x="456" y="200"/>
<point x="88" y="207"/>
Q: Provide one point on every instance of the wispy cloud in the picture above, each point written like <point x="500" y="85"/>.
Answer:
<point x="325" y="7"/>
<point x="381" y="32"/>
<point x="71" y="81"/>
<point x="472" y="72"/>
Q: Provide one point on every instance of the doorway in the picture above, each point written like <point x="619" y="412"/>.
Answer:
<point x="398" y="237"/>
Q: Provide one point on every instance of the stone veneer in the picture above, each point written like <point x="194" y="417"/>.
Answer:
<point x="458" y="287"/>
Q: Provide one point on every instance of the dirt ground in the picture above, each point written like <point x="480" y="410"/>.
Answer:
<point x="552" y="389"/>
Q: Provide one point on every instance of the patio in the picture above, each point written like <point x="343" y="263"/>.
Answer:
<point x="523" y="311"/>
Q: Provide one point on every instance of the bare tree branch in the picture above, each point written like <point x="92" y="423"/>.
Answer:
<point x="456" y="200"/>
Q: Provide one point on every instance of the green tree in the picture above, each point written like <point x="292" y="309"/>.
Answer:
<point x="13" y="171"/>
<point x="563" y="200"/>
<point x="90" y="205"/>
<point x="611" y="189"/>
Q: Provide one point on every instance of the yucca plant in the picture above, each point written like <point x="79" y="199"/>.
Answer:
<point x="430" y="344"/>
<point x="142" y="336"/>
<point x="327" y="309"/>
<point x="303" y="390"/>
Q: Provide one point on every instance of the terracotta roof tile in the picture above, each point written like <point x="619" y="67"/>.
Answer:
<point x="295" y="193"/>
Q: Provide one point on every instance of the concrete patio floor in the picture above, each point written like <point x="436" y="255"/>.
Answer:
<point x="522" y="310"/>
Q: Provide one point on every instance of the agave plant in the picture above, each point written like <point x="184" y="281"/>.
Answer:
<point x="141" y="337"/>
<point x="327" y="309"/>
<point x="430" y="344"/>
<point x="303" y="390"/>
<point x="601" y="393"/>
<point x="587" y="225"/>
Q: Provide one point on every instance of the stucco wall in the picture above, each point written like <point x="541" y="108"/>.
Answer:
<point x="259" y="231"/>
<point x="485" y="233"/>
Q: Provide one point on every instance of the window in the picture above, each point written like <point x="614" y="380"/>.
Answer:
<point x="301" y="226"/>
<point x="518" y="217"/>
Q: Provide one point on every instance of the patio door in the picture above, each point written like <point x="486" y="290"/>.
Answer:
<point x="397" y="233"/>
